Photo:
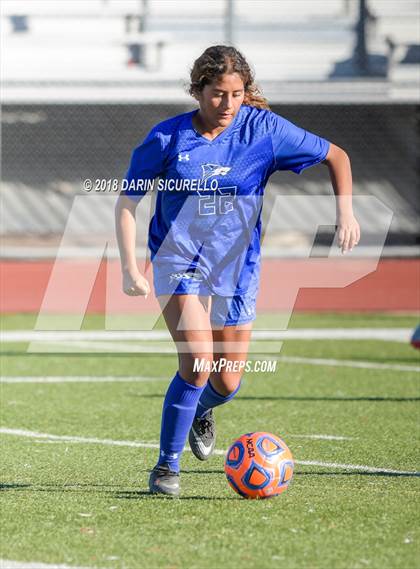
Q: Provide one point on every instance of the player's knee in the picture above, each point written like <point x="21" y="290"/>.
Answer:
<point x="196" y="369"/>
<point x="225" y="382"/>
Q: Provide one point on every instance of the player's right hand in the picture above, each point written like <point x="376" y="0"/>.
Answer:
<point x="134" y="284"/>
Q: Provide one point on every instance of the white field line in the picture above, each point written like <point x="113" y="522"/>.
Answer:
<point x="340" y="363"/>
<point x="148" y="348"/>
<point x="93" y="345"/>
<point x="6" y="564"/>
<point x="281" y="359"/>
<point x="138" y="444"/>
<point x="313" y="437"/>
<point x="151" y="349"/>
<point x="322" y="437"/>
<point x="385" y="334"/>
<point x="79" y="379"/>
<point x="358" y="467"/>
<point x="72" y="439"/>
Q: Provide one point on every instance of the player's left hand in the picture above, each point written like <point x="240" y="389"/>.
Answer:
<point x="348" y="232"/>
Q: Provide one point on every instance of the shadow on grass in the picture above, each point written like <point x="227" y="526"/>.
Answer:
<point x="115" y="490"/>
<point x="145" y="495"/>
<point x="76" y="487"/>
<point x="296" y="398"/>
<point x="186" y="471"/>
<point x="14" y="486"/>
<point x="305" y="398"/>
<point x="108" y="489"/>
<point x="360" y="473"/>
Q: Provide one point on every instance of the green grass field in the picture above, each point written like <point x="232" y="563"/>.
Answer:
<point x="85" y="503"/>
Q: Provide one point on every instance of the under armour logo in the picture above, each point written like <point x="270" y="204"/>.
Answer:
<point x="183" y="157"/>
<point x="188" y="275"/>
<point x="172" y="455"/>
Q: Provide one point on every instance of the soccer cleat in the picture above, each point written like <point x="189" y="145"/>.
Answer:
<point x="163" y="480"/>
<point x="202" y="436"/>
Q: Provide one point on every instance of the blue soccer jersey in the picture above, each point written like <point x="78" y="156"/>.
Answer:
<point x="209" y="192"/>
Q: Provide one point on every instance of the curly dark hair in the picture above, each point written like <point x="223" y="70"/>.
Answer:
<point x="217" y="60"/>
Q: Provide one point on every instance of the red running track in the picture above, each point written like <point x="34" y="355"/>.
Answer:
<point x="310" y="285"/>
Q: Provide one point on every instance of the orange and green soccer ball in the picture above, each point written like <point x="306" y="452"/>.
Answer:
<point x="259" y="465"/>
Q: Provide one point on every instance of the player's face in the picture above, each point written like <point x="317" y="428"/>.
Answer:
<point x="220" y="101"/>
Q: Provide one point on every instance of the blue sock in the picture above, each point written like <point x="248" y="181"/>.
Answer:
<point x="177" y="416"/>
<point x="210" y="398"/>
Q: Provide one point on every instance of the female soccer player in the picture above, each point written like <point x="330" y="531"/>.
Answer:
<point x="213" y="164"/>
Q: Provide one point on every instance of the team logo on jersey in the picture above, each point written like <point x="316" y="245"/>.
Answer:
<point x="183" y="157"/>
<point x="210" y="170"/>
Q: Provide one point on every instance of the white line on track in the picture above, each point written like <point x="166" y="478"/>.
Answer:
<point x="139" y="444"/>
<point x="6" y="564"/>
<point x="79" y="379"/>
<point x="385" y="334"/>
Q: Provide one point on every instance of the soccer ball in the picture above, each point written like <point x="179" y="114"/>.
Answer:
<point x="259" y="465"/>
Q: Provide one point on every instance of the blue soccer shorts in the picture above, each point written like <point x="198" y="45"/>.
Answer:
<point x="225" y="310"/>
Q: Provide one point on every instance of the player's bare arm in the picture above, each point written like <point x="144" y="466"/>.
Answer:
<point x="134" y="283"/>
<point x="339" y="167"/>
